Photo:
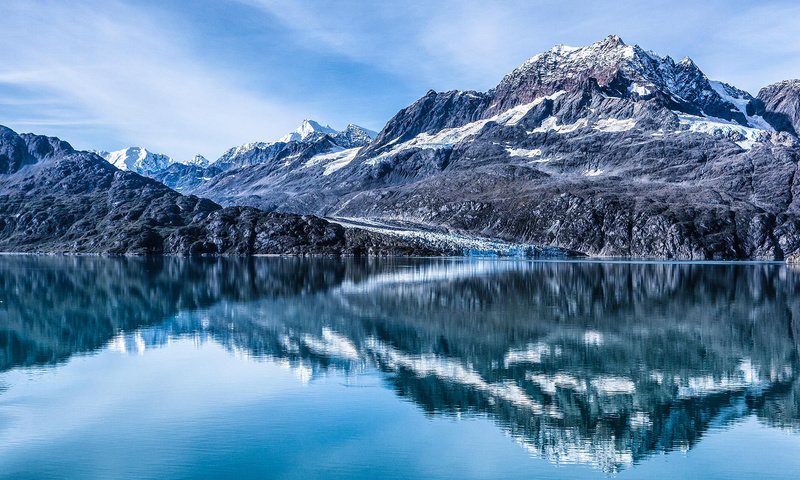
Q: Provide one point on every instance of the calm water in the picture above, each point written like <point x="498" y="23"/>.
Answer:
<point x="297" y="368"/>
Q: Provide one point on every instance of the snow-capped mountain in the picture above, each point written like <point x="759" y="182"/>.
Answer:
<point x="306" y="130"/>
<point x="309" y="139"/>
<point x="199" y="161"/>
<point x="618" y="70"/>
<point x="626" y="70"/>
<point x="606" y="149"/>
<point x="137" y="159"/>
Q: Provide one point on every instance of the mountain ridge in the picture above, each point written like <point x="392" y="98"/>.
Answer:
<point x="606" y="149"/>
<point x="55" y="199"/>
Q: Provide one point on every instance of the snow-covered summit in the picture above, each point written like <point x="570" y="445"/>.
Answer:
<point x="199" y="161"/>
<point x="137" y="159"/>
<point x="306" y="130"/>
<point x="626" y="69"/>
<point x="308" y="139"/>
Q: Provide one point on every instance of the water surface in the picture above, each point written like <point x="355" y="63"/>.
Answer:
<point x="397" y="368"/>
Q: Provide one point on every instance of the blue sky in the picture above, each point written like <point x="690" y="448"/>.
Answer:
<point x="182" y="77"/>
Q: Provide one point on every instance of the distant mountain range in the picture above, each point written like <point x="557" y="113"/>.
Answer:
<point x="607" y="149"/>
<point x="56" y="199"/>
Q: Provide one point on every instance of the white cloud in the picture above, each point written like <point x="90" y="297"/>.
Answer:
<point x="120" y="70"/>
<point x="106" y="74"/>
<point x="469" y="44"/>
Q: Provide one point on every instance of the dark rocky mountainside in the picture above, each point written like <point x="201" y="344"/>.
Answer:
<point x="56" y="199"/>
<point x="781" y="104"/>
<point x="607" y="149"/>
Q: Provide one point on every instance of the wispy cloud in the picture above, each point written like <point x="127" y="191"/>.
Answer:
<point x="471" y="44"/>
<point x="201" y="76"/>
<point x="122" y="71"/>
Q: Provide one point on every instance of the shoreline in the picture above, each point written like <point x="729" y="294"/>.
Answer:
<point x="582" y="259"/>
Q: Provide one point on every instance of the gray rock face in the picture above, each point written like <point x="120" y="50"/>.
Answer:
<point x="56" y="199"/>
<point x="781" y="105"/>
<point x="606" y="149"/>
<point x="354" y="136"/>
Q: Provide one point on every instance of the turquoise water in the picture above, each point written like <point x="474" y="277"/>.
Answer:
<point x="397" y="368"/>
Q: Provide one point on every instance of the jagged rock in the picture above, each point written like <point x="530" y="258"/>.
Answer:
<point x="781" y="105"/>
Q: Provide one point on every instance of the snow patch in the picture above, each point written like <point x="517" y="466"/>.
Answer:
<point x="523" y="152"/>
<point x="449" y="137"/>
<point x="740" y="99"/>
<point x="342" y="161"/>
<point x="640" y="90"/>
<point x="614" y="125"/>
<point x="550" y="124"/>
<point x="745" y="137"/>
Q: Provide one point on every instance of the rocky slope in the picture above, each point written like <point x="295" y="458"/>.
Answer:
<point x="56" y="199"/>
<point x="781" y="104"/>
<point x="606" y="149"/>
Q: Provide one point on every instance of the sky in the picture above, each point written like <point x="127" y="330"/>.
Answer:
<point x="183" y="78"/>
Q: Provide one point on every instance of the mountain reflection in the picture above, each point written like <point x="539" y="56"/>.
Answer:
<point x="600" y="363"/>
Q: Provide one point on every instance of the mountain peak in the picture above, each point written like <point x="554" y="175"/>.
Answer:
<point x="611" y="41"/>
<point x="622" y="69"/>
<point x="199" y="160"/>
<point x="354" y="136"/>
<point x="307" y="129"/>
<point x="137" y="159"/>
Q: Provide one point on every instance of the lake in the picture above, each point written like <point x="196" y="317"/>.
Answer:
<point x="397" y="368"/>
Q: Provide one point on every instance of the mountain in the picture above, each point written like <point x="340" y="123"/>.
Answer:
<point x="354" y="136"/>
<point x="56" y="199"/>
<point x="199" y="161"/>
<point x="308" y="140"/>
<point x="138" y="160"/>
<point x="781" y="104"/>
<point x="607" y="149"/>
<point x="306" y="130"/>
